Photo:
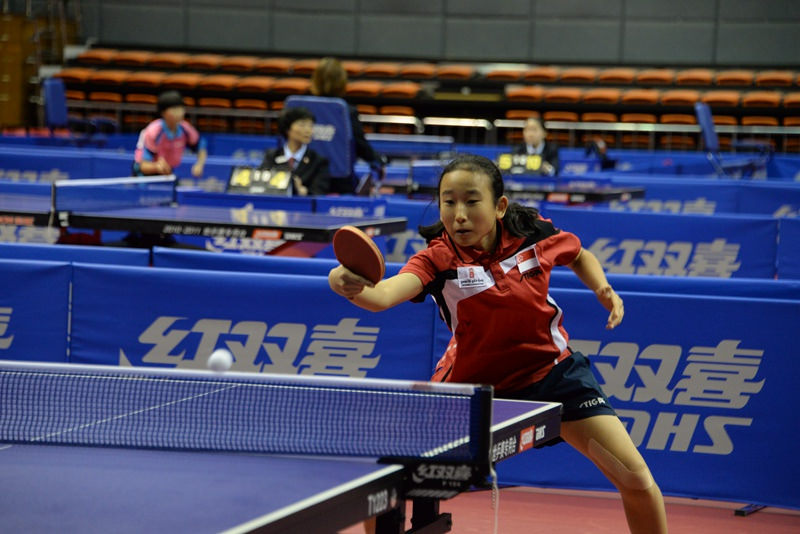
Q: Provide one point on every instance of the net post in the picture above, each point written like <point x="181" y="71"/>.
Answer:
<point x="480" y="442"/>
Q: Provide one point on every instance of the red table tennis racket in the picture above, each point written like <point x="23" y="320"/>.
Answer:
<point x="358" y="252"/>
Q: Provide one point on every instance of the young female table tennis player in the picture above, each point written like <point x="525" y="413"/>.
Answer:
<point x="488" y="265"/>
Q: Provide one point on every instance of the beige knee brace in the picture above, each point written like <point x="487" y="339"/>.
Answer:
<point x="638" y="479"/>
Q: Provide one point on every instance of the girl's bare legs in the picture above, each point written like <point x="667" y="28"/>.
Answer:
<point x="604" y="440"/>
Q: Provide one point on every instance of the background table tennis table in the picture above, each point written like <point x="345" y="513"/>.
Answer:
<point x="51" y="488"/>
<point x="205" y="221"/>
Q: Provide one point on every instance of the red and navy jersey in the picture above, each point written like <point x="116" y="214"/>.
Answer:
<point x="507" y="328"/>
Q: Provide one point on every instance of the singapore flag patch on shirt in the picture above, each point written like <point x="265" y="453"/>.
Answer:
<point x="527" y="259"/>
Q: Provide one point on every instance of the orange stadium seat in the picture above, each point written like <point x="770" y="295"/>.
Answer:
<point x="400" y="90"/>
<point x="203" y="61"/>
<point x="104" y="96"/>
<point x="521" y="114"/>
<point x="597" y="116"/>
<point x="578" y="75"/>
<point x="72" y="94"/>
<point x="109" y="77"/>
<point x="724" y="120"/>
<point x="679" y="97"/>
<point x="721" y="98"/>
<point x="694" y="77"/>
<point x="404" y="111"/>
<point x="503" y="75"/>
<point x="782" y="78"/>
<point x="561" y="137"/>
<point x="74" y="75"/>
<point x="97" y="56"/>
<point x="647" y="118"/>
<point x="725" y="141"/>
<point x="304" y="67"/>
<point x="240" y="64"/>
<point x="182" y="81"/>
<point x="367" y="109"/>
<point x="738" y="77"/>
<point x="565" y="95"/>
<point x="617" y="75"/>
<point x="217" y="82"/>
<point x="759" y="120"/>
<point x="381" y="69"/>
<point x="250" y="125"/>
<point x="145" y="78"/>
<point x="353" y="68"/>
<point x="791" y="143"/>
<point x="136" y="120"/>
<point x="455" y="72"/>
<point x="602" y="95"/>
<point x="529" y="93"/>
<point x="678" y="140"/>
<point x="655" y="77"/>
<point x="678" y="118"/>
<point x="560" y="116"/>
<point x="769" y="99"/>
<point x="274" y="65"/>
<point x="417" y="70"/>
<point x="366" y="88"/>
<point x="637" y="97"/>
<point x="637" y="140"/>
<point x="791" y="100"/>
<point x="132" y="58"/>
<point x="254" y="84"/>
<point x="294" y="86"/>
<point x="168" y="60"/>
<point x="543" y="73"/>
<point x="213" y="123"/>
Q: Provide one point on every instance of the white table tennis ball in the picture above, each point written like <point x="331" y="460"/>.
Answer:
<point x="220" y="360"/>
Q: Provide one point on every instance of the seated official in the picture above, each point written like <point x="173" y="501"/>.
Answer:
<point x="535" y="135"/>
<point x="310" y="173"/>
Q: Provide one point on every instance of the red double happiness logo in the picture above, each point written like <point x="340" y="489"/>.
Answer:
<point x="264" y="233"/>
<point x="527" y="436"/>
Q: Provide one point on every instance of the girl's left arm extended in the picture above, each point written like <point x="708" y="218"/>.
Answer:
<point x="589" y="270"/>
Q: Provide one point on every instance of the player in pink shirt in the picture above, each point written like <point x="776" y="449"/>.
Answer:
<point x="161" y="143"/>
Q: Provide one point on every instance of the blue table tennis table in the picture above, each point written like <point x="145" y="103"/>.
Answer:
<point x="28" y="209"/>
<point x="61" y="488"/>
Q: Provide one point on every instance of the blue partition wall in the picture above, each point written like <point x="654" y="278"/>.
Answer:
<point x="34" y="310"/>
<point x="679" y="245"/>
<point x="271" y="323"/>
<point x="699" y="380"/>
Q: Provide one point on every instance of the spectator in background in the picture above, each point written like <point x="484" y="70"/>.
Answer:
<point x="536" y="143"/>
<point x="330" y="79"/>
<point x="310" y="173"/>
<point x="161" y="143"/>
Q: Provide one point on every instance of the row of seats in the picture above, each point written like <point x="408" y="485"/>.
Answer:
<point x="653" y="97"/>
<point x="447" y="71"/>
<point x="77" y="77"/>
<point x="679" y="140"/>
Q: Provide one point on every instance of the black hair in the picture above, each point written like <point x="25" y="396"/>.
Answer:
<point x="169" y="99"/>
<point x="291" y="115"/>
<point x="518" y="219"/>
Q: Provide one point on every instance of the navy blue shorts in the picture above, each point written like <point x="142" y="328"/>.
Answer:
<point x="572" y="383"/>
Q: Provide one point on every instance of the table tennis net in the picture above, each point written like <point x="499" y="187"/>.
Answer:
<point x="198" y="410"/>
<point x="113" y="193"/>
